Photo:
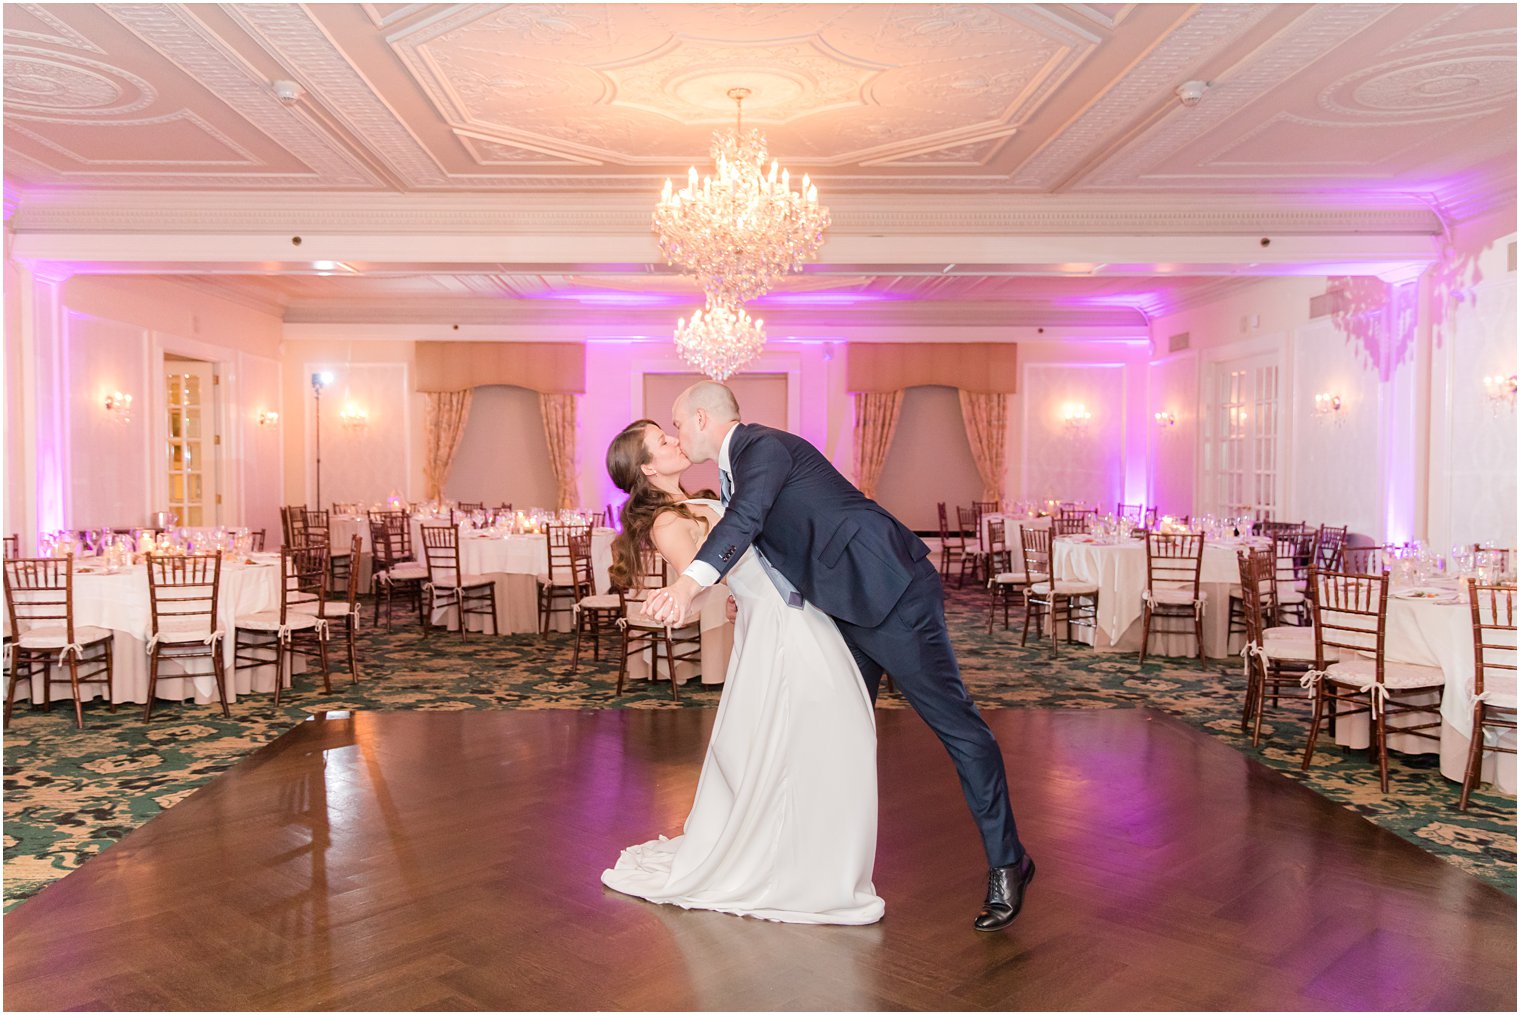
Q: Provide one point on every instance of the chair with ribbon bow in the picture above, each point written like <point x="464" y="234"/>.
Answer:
<point x="448" y="587"/>
<point x="300" y="623"/>
<point x="343" y="614"/>
<point x="39" y="593"/>
<point x="182" y="600"/>
<point x="1275" y="657"/>
<point x="1350" y="669"/>
<point x="1173" y="571"/>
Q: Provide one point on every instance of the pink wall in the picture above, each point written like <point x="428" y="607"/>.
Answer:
<point x="1173" y="449"/>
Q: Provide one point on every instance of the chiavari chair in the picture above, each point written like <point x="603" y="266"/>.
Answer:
<point x="469" y="507"/>
<point x="292" y="521"/>
<point x="1290" y="578"/>
<point x="1493" y="622"/>
<point x="12" y="546"/>
<point x="1275" y="657"/>
<point x="1004" y="582"/>
<point x="642" y="634"/>
<point x="1329" y="545"/>
<point x="1134" y="514"/>
<point x="971" y="553"/>
<point x="183" y="593"/>
<point x="395" y="571"/>
<point x="318" y="528"/>
<point x="1364" y="559"/>
<point x="952" y="545"/>
<point x="1497" y="557"/>
<point x="256" y="538"/>
<point x="1045" y="594"/>
<point x="342" y="614"/>
<point x="594" y="610"/>
<point x="448" y="587"/>
<point x="1173" y="570"/>
<point x="561" y="589"/>
<point x="299" y="624"/>
<point x="1351" y="617"/>
<point x="1070" y="521"/>
<point x="39" y="596"/>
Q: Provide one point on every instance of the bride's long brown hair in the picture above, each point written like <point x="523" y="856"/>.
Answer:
<point x="626" y="456"/>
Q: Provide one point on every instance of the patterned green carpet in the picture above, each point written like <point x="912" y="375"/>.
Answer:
<point x="71" y="794"/>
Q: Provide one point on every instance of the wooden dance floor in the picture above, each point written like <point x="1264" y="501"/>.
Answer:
<point x="450" y="860"/>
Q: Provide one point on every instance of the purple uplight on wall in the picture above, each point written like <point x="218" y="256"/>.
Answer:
<point x="619" y="299"/>
<point x="806" y="299"/>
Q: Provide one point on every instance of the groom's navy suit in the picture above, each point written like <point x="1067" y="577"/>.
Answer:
<point x="857" y="563"/>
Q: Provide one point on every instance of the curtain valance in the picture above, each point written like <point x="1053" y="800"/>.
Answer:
<point x="986" y="367"/>
<point x="550" y="368"/>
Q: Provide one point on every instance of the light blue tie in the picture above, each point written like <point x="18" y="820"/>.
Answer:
<point x="789" y="593"/>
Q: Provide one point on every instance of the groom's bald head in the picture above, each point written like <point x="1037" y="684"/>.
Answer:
<point x="703" y="414"/>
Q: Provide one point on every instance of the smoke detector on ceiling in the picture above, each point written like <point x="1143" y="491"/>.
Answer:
<point x="288" y="92"/>
<point x="1190" y="93"/>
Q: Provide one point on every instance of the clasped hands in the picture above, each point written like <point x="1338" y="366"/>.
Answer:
<point x="671" y="604"/>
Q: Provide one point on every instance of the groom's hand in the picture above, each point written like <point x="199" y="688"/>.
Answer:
<point x="670" y="604"/>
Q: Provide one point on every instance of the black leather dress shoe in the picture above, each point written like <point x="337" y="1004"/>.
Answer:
<point x="1005" y="894"/>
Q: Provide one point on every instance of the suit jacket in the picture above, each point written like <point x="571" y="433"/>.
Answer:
<point x="843" y="551"/>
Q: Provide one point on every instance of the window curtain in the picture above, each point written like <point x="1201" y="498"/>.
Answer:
<point x="876" y="415"/>
<point x="447" y="412"/>
<point x="986" y="419"/>
<point x="559" y="432"/>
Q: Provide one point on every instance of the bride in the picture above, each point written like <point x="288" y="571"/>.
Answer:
<point x="783" y="826"/>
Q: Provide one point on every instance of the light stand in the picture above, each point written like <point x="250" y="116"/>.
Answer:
<point x="319" y="381"/>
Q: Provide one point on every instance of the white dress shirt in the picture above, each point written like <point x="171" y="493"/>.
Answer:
<point x="699" y="571"/>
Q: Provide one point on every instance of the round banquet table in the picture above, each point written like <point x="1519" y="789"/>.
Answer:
<point x="119" y="601"/>
<point x="1118" y="569"/>
<point x="1438" y="632"/>
<point x="516" y="564"/>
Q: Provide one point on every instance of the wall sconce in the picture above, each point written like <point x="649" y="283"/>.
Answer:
<point x="1329" y="406"/>
<point x="1076" y="417"/>
<point x="119" y="407"/>
<point x="267" y="418"/>
<point x="1166" y="420"/>
<point x="1500" y="391"/>
<point x="353" y="418"/>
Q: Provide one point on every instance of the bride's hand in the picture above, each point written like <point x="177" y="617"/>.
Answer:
<point x="731" y="611"/>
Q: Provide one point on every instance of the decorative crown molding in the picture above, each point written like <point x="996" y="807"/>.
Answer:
<point x="106" y="212"/>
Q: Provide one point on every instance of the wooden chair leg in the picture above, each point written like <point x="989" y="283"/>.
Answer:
<point x="152" y="686"/>
<point x="1198" y="633"/>
<point x="219" y="670"/>
<point x="1380" y="744"/>
<point x="1319" y="715"/>
<point x="15" y="675"/>
<point x="670" y="658"/>
<point x="575" y="655"/>
<point x="1145" y="634"/>
<point x="326" y="669"/>
<point x="74" y="684"/>
<point x="623" y="663"/>
<point x="1474" y="757"/>
<point x="110" y="672"/>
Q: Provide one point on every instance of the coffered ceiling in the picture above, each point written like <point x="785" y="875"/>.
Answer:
<point x="1385" y="108"/>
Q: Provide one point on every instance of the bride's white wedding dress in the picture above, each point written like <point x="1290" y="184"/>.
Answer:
<point x="783" y="826"/>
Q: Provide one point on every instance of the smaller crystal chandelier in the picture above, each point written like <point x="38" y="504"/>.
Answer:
<point x="719" y="339"/>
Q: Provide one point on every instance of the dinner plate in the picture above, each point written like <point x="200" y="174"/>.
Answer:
<point x="1426" y="595"/>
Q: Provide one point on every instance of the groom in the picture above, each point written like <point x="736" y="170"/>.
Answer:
<point x="821" y="540"/>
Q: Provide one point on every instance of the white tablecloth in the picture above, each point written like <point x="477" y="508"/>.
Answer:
<point x="517" y="563"/>
<point x="120" y="602"/>
<point x="1119" y="572"/>
<point x="1011" y="536"/>
<point x="1437" y="634"/>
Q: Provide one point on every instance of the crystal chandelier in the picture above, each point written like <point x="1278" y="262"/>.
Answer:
<point x="744" y="227"/>
<point x="719" y="339"/>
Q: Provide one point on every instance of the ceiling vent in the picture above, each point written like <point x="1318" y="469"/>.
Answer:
<point x="1179" y="341"/>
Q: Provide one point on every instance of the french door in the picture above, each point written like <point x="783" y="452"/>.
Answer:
<point x="193" y="450"/>
<point x="1241" y="474"/>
